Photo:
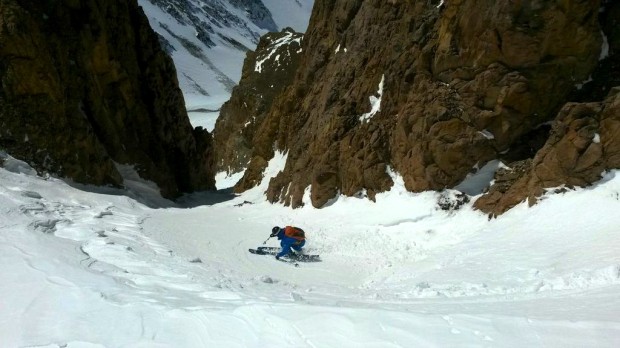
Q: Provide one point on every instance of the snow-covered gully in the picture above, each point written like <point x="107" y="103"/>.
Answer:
<point x="86" y="267"/>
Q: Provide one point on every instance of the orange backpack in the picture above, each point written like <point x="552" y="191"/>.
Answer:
<point x="294" y="232"/>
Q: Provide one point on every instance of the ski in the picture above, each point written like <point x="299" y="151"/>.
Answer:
<point x="291" y="258"/>
<point x="269" y="249"/>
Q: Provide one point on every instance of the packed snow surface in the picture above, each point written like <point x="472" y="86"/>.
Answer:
<point x="93" y="267"/>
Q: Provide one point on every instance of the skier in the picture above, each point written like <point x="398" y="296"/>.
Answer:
<point x="291" y="237"/>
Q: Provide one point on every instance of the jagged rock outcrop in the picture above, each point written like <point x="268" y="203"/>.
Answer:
<point x="584" y="139"/>
<point x="584" y="142"/>
<point x="86" y="84"/>
<point x="266" y="72"/>
<point x="429" y="91"/>
<point x="607" y="73"/>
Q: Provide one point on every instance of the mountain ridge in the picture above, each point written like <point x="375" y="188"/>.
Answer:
<point x="208" y="40"/>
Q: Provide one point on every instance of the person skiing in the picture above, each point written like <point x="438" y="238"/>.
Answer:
<point x="291" y="238"/>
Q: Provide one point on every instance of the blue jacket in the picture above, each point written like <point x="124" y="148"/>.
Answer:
<point x="287" y="243"/>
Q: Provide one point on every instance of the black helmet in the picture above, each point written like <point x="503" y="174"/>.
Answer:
<point x="275" y="231"/>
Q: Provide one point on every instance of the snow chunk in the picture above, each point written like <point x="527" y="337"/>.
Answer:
<point x="15" y="166"/>
<point x="487" y="134"/>
<point x="604" y="47"/>
<point x="266" y="279"/>
<point x="476" y="182"/>
<point x="375" y="103"/>
<point x="296" y="297"/>
<point x="596" y="139"/>
<point x="579" y="86"/>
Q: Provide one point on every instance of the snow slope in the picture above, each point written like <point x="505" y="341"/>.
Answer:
<point x="208" y="39"/>
<point x="89" y="267"/>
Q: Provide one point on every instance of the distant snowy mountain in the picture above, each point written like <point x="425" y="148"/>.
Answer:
<point x="208" y="39"/>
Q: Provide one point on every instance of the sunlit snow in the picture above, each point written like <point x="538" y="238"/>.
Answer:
<point x="93" y="267"/>
<point x="375" y="103"/>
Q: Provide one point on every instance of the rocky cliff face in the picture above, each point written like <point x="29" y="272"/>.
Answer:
<point x="584" y="140"/>
<point x="86" y="84"/>
<point x="430" y="91"/>
<point x="266" y="72"/>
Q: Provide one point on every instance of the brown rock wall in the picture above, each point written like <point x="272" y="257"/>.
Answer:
<point x="461" y="84"/>
<point x="85" y="84"/>
<point x="584" y="142"/>
<point x="266" y="72"/>
<point x="571" y="156"/>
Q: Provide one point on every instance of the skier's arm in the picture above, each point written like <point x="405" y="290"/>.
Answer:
<point x="286" y="248"/>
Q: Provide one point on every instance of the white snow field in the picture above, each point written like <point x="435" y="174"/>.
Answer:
<point x="86" y="267"/>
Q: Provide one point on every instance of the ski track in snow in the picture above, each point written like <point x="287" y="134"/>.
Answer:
<point x="87" y="269"/>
